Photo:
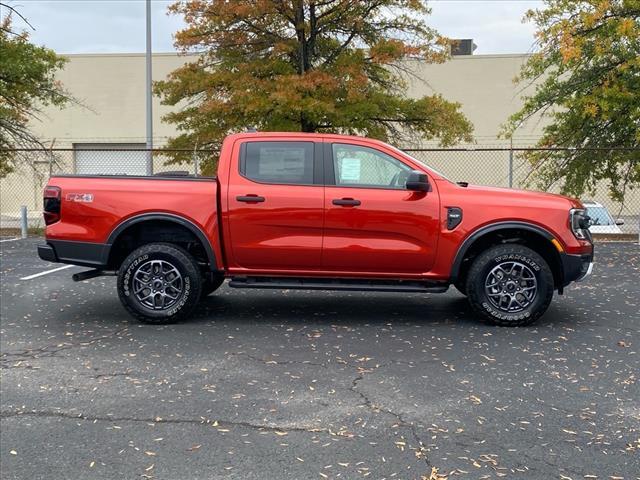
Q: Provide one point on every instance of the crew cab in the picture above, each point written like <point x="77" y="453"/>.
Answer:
<point x="316" y="211"/>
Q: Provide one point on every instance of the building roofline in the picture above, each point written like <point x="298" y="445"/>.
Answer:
<point x="180" y="54"/>
<point x="127" y="54"/>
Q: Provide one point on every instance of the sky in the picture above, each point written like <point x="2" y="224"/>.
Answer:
<point x="118" y="26"/>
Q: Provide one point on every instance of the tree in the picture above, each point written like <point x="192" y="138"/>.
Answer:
<point x="27" y="82"/>
<point x="588" y="69"/>
<point x="306" y="65"/>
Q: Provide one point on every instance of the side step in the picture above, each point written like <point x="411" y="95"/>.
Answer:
<point x="359" y="284"/>
<point x="88" y="274"/>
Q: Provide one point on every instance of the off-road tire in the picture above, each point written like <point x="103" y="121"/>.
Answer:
<point x="173" y="255"/>
<point x="211" y="284"/>
<point x="479" y="273"/>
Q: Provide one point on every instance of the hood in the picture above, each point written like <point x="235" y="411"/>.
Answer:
<point x="517" y="196"/>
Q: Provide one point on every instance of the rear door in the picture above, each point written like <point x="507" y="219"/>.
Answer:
<point x="373" y="224"/>
<point x="276" y="205"/>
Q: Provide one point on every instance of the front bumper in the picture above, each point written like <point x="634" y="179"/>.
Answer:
<point x="576" y="268"/>
<point x="587" y="273"/>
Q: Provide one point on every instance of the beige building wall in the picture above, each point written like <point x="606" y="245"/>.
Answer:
<point x="484" y="87"/>
<point x="111" y="90"/>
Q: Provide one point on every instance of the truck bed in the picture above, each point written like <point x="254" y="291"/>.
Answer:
<point x="94" y="208"/>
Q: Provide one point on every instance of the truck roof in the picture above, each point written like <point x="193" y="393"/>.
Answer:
<point x="303" y="135"/>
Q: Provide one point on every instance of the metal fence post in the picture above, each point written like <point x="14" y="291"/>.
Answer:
<point x="511" y="165"/>
<point x="24" y="225"/>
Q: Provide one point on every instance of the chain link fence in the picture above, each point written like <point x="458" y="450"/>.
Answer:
<point x="32" y="169"/>
<point x="498" y="167"/>
<point x="509" y="168"/>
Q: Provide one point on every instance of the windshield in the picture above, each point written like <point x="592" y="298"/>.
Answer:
<point x="599" y="216"/>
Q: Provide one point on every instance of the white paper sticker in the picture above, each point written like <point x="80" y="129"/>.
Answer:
<point x="350" y="170"/>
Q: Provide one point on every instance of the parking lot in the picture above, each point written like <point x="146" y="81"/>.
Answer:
<point x="304" y="385"/>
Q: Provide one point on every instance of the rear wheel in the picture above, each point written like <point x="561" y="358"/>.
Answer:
<point x="159" y="283"/>
<point x="510" y="285"/>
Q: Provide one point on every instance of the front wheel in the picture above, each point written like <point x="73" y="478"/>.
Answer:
<point x="510" y="285"/>
<point x="159" y="283"/>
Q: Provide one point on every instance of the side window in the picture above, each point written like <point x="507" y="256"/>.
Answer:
<point x="278" y="162"/>
<point x="358" y="166"/>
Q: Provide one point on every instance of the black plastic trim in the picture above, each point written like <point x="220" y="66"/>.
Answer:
<point x="454" y="217"/>
<point x="574" y="267"/>
<point x="250" y="198"/>
<point x="342" y="284"/>
<point x="213" y="264"/>
<point x="346" y="202"/>
<point x="138" y="177"/>
<point x="327" y="158"/>
<point x="77" y="253"/>
<point x="471" y="239"/>
<point x="46" y="252"/>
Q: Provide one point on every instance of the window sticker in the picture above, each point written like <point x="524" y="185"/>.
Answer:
<point x="350" y="169"/>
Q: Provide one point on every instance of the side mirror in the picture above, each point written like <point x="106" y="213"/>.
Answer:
<point x="619" y="222"/>
<point x="418" y="181"/>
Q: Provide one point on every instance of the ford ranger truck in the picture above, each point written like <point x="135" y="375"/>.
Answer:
<point x="316" y="211"/>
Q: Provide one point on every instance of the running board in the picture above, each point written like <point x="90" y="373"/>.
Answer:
<point x="88" y="274"/>
<point x="355" y="285"/>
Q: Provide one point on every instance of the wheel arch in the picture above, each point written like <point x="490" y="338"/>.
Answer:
<point x="524" y="233"/>
<point x="161" y="217"/>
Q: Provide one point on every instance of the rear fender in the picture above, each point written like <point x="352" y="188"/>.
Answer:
<point x="195" y="229"/>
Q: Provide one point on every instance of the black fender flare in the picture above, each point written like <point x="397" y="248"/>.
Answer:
<point x="192" y="227"/>
<point x="493" y="227"/>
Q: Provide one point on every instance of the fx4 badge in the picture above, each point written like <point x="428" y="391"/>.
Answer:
<point x="80" y="197"/>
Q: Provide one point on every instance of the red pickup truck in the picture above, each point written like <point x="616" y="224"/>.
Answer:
<point x="314" y="211"/>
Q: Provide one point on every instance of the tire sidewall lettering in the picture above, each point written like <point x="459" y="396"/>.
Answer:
<point x="185" y="297"/>
<point x="516" y="257"/>
<point x="127" y="275"/>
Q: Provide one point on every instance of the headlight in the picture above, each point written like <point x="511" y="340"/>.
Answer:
<point x="580" y="222"/>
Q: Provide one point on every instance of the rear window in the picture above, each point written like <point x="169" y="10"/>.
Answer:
<point x="278" y="162"/>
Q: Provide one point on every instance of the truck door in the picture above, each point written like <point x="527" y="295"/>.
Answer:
<point x="373" y="224"/>
<point x="276" y="205"/>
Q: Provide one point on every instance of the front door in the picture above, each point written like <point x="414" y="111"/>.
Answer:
<point x="373" y="224"/>
<point x="275" y="204"/>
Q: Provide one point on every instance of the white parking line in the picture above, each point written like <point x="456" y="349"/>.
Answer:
<point x="47" y="272"/>
<point x="11" y="239"/>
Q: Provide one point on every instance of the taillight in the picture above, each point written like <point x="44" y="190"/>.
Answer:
<point x="51" y="204"/>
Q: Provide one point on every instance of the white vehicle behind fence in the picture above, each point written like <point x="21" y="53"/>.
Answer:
<point x="601" y="219"/>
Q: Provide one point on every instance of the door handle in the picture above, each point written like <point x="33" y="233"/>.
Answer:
<point x="250" y="198"/>
<point x="346" y="202"/>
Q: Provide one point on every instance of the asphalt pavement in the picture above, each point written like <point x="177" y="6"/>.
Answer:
<point x="317" y="385"/>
